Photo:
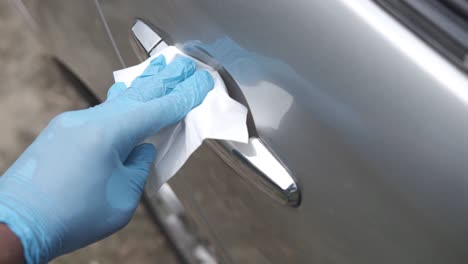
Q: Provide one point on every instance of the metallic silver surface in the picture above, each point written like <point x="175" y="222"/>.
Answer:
<point x="366" y="115"/>
<point x="75" y="34"/>
<point x="369" y="119"/>
<point x="161" y="45"/>
<point x="147" y="38"/>
<point x="256" y="163"/>
<point x="173" y="219"/>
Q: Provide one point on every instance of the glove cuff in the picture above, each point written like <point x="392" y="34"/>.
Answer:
<point x="27" y="228"/>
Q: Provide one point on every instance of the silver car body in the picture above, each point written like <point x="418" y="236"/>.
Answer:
<point x="370" y="120"/>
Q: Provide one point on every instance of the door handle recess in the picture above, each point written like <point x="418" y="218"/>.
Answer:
<point x="254" y="161"/>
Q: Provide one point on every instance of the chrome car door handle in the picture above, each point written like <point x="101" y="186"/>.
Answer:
<point x="257" y="163"/>
<point x="254" y="160"/>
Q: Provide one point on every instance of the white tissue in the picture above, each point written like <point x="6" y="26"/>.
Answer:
<point x="218" y="117"/>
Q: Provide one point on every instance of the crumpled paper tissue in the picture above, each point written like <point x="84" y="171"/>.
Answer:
<point x="217" y="117"/>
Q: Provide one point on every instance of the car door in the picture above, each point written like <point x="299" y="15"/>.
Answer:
<point x="364" y="115"/>
<point x="74" y="33"/>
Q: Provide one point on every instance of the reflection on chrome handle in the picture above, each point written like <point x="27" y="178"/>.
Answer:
<point x="256" y="162"/>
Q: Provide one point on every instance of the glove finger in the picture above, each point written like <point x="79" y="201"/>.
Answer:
<point x="167" y="110"/>
<point x="156" y="66"/>
<point x="146" y="88"/>
<point x="115" y="90"/>
<point x="139" y="164"/>
<point x="126" y="184"/>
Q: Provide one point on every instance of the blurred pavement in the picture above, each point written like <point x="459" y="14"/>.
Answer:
<point x="32" y="91"/>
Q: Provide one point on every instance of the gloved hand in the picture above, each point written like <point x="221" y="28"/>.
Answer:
<point x="82" y="178"/>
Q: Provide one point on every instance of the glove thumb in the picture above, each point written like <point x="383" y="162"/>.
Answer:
<point x="139" y="163"/>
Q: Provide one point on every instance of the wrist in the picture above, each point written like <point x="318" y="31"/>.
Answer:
<point x="26" y="228"/>
<point x="12" y="250"/>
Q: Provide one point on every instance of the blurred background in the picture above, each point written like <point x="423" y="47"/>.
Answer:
<point x="32" y="91"/>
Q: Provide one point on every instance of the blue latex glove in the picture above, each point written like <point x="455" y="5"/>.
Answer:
<point x="82" y="178"/>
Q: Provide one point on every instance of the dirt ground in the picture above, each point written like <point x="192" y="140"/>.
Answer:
<point x="32" y="91"/>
